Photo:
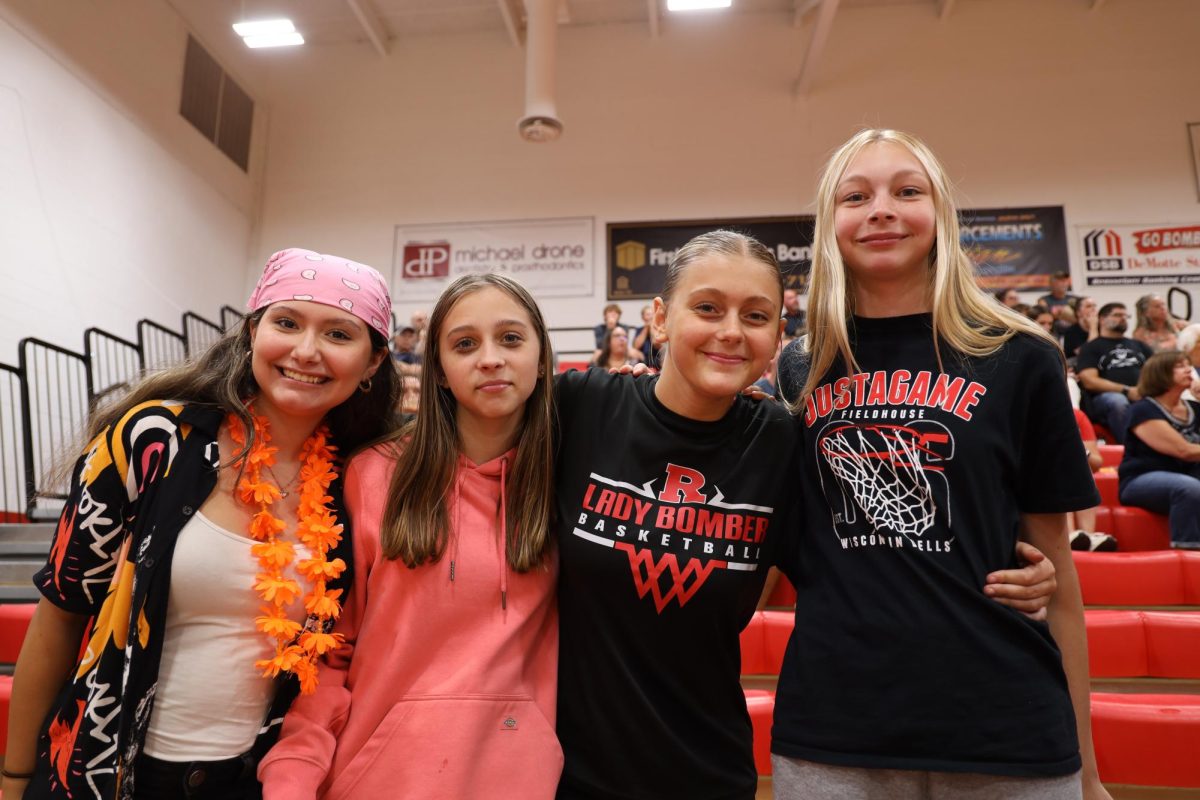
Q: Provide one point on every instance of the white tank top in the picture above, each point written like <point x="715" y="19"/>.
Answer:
<point x="210" y="701"/>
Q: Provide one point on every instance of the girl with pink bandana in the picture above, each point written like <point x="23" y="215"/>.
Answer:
<point x="203" y="551"/>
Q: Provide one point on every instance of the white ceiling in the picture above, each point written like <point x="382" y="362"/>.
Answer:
<point x="339" y="21"/>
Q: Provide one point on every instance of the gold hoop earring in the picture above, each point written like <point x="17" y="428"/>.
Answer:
<point x="365" y="385"/>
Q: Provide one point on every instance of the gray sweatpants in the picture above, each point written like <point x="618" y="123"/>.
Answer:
<point x="806" y="780"/>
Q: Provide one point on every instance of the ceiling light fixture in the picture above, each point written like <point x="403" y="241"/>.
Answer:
<point x="697" y="5"/>
<point x="268" y="33"/>
<point x="274" y="40"/>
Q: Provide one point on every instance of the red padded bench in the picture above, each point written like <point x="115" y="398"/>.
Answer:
<point x="1149" y="644"/>
<point x="567" y="366"/>
<point x="1162" y="578"/>
<point x="764" y="641"/>
<point x="14" y="621"/>
<point x="761" y="705"/>
<point x="1137" y="529"/>
<point x="1106" y="483"/>
<point x="1112" y="454"/>
<point x="1147" y="739"/>
<point x="784" y="594"/>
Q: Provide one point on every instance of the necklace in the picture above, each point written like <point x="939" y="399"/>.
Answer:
<point x="284" y="488"/>
<point x="297" y="647"/>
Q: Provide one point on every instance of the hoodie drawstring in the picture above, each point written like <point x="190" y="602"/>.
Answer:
<point x="503" y="535"/>
<point x="457" y="505"/>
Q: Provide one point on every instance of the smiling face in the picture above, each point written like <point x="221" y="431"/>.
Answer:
<point x="489" y="355"/>
<point x="308" y="358"/>
<point x="884" y="217"/>
<point x="721" y="324"/>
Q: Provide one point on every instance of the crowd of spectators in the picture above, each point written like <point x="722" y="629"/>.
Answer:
<point x="1139" y="388"/>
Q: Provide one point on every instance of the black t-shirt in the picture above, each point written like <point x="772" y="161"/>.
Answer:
<point x="914" y="482"/>
<point x="1117" y="360"/>
<point x="1141" y="458"/>
<point x="666" y="527"/>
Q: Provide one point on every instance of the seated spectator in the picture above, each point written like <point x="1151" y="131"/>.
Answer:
<point x="1108" y="368"/>
<point x="1083" y="523"/>
<point x="1060" y="282"/>
<point x="1086" y="327"/>
<point x="612" y="315"/>
<point x="614" y="350"/>
<point x="643" y="340"/>
<point x="410" y="396"/>
<point x="1188" y="343"/>
<point x="767" y="382"/>
<point x="1042" y="316"/>
<point x="1022" y="308"/>
<point x="404" y="354"/>
<point x="793" y="315"/>
<point x="420" y="322"/>
<point x="1008" y="297"/>
<point x="1161" y="468"/>
<point x="1155" y="325"/>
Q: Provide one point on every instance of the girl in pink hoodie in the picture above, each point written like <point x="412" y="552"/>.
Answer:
<point x="446" y="688"/>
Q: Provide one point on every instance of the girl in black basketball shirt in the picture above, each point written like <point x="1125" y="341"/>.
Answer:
<point x="673" y="498"/>
<point x="936" y="430"/>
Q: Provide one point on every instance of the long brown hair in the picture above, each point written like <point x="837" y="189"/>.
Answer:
<point x="964" y="317"/>
<point x="222" y="377"/>
<point x="416" y="525"/>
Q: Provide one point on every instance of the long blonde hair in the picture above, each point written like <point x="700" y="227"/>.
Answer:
<point x="970" y="321"/>
<point x="416" y="525"/>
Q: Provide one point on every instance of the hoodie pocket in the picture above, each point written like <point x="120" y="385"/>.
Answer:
<point x="456" y="747"/>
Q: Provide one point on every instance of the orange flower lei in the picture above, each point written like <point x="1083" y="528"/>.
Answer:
<point x="297" y="647"/>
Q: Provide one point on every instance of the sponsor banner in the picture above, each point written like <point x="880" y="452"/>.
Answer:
<point x="638" y="253"/>
<point x="1015" y="248"/>
<point x="550" y="257"/>
<point x="1140" y="255"/>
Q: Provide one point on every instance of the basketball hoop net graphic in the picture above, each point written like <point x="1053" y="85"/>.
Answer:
<point x="885" y="470"/>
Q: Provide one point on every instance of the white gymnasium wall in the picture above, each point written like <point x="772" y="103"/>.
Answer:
<point x="112" y="207"/>
<point x="1029" y="102"/>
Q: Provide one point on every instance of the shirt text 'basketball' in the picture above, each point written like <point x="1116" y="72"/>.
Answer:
<point x="921" y="390"/>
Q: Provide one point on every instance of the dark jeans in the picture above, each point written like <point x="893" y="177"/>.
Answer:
<point x="1111" y="409"/>
<point x="1172" y="493"/>
<point x="230" y="779"/>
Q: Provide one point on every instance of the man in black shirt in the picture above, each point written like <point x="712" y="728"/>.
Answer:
<point x="1108" y="368"/>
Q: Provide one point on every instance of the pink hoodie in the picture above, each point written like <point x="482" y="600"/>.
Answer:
<point x="449" y="691"/>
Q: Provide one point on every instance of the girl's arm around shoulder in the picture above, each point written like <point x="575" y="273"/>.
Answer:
<point x="298" y="764"/>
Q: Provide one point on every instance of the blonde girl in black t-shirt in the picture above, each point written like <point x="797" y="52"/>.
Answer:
<point x="934" y="425"/>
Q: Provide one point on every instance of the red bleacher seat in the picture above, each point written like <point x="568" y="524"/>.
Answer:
<point x="1172" y="644"/>
<point x="1112" y="454"/>
<point x="14" y="621"/>
<point x="1147" y="739"/>
<point x="1161" y="578"/>
<point x="1103" y="434"/>
<point x="761" y="705"/>
<point x="784" y="594"/>
<point x="567" y="366"/>
<point x="764" y="641"/>
<point x="1106" y="482"/>
<point x="1151" y="644"/>
<point x="1104" y="522"/>
<point x="1137" y="529"/>
<point x="1116" y="644"/>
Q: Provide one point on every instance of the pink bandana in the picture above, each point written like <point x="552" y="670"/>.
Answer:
<point x="296" y="274"/>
